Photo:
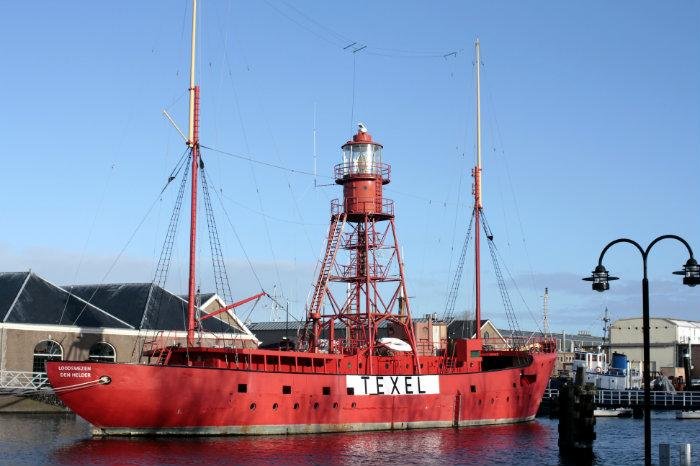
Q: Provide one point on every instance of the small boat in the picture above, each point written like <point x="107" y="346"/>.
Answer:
<point x="612" y="412"/>
<point x="687" y="414"/>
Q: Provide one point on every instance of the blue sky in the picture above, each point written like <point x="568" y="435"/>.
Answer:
<point x="591" y="132"/>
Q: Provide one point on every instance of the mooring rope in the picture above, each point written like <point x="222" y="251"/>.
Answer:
<point x="103" y="380"/>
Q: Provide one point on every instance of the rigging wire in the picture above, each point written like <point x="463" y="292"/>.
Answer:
<point x="251" y="159"/>
<point x="276" y="151"/>
<point x="352" y="106"/>
<point x="221" y="281"/>
<point x="123" y="249"/>
<point x="238" y="238"/>
<point x="271" y="217"/>
<point x="262" y="162"/>
<point x="512" y="190"/>
<point x="347" y="44"/>
<point x="251" y="165"/>
<point x="87" y="240"/>
<point x="515" y="284"/>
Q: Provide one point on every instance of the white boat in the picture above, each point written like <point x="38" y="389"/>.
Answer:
<point x="687" y="414"/>
<point x="620" y="375"/>
<point x="612" y="412"/>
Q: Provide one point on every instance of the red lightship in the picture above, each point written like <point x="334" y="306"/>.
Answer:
<point x="358" y="380"/>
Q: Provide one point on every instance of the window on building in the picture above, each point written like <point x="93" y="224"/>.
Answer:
<point x="487" y="335"/>
<point x="102" y="352"/>
<point x="47" y="350"/>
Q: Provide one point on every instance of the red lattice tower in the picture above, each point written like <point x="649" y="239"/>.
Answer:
<point x="361" y="274"/>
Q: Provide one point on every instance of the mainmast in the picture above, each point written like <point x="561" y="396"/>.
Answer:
<point x="476" y="173"/>
<point x="193" y="143"/>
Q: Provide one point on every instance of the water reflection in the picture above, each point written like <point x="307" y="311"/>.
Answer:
<point x="484" y="445"/>
<point x="66" y="440"/>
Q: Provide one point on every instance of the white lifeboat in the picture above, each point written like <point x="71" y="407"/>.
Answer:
<point x="395" y="344"/>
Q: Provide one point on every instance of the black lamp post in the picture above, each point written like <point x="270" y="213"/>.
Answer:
<point x="601" y="279"/>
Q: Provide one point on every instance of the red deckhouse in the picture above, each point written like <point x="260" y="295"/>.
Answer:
<point x="330" y="383"/>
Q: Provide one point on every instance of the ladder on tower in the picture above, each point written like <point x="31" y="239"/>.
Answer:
<point x="335" y="231"/>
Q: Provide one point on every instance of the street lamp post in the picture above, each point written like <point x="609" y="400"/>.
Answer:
<point x="601" y="278"/>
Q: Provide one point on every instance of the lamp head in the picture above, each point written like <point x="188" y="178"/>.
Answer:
<point x="600" y="278"/>
<point x="690" y="272"/>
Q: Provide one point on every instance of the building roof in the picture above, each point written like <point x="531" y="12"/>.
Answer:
<point x="26" y="298"/>
<point x="145" y="306"/>
<point x="674" y="321"/>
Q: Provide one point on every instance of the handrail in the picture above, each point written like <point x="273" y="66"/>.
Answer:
<point x="636" y="398"/>
<point x="22" y="381"/>
<point x="362" y="168"/>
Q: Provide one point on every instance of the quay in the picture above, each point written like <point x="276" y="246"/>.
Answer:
<point x="685" y="400"/>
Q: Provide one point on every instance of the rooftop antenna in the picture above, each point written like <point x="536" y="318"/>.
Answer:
<point x="606" y="325"/>
<point x="315" y="182"/>
<point x="545" y="310"/>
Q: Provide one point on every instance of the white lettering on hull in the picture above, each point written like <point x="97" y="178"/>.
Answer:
<point x="393" y="384"/>
<point x="75" y="372"/>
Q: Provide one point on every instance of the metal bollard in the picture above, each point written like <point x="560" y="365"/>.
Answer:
<point x="684" y="451"/>
<point x="664" y="454"/>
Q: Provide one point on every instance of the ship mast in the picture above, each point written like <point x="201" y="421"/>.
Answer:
<point x="193" y="143"/>
<point x="476" y="173"/>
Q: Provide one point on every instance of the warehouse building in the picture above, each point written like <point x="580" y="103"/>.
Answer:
<point x="671" y="339"/>
<point x="41" y="321"/>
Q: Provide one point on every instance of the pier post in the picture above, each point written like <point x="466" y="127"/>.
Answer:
<point x="664" y="454"/>
<point x="684" y="450"/>
<point x="576" y="420"/>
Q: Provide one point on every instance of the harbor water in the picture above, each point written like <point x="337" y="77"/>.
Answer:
<point x="64" y="439"/>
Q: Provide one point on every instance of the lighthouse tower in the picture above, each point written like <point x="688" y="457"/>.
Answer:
<point x="361" y="278"/>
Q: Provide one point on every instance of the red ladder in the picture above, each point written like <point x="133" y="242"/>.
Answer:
<point x="335" y="232"/>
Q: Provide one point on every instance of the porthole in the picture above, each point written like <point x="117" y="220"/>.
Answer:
<point x="353" y="405"/>
<point x="275" y="406"/>
<point x="296" y="405"/>
<point x="479" y="401"/>
<point x="507" y="399"/>
<point x="335" y="405"/>
<point x="252" y="406"/>
<point x="359" y="365"/>
<point x="316" y="405"/>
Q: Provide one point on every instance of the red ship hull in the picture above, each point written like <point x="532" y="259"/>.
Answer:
<point x="140" y="399"/>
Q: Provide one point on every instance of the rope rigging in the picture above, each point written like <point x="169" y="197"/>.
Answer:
<point x="513" y="324"/>
<point x="449" y="315"/>
<point x="221" y="281"/>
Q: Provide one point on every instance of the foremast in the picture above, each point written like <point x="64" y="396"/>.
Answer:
<point x="193" y="143"/>
<point x="476" y="173"/>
